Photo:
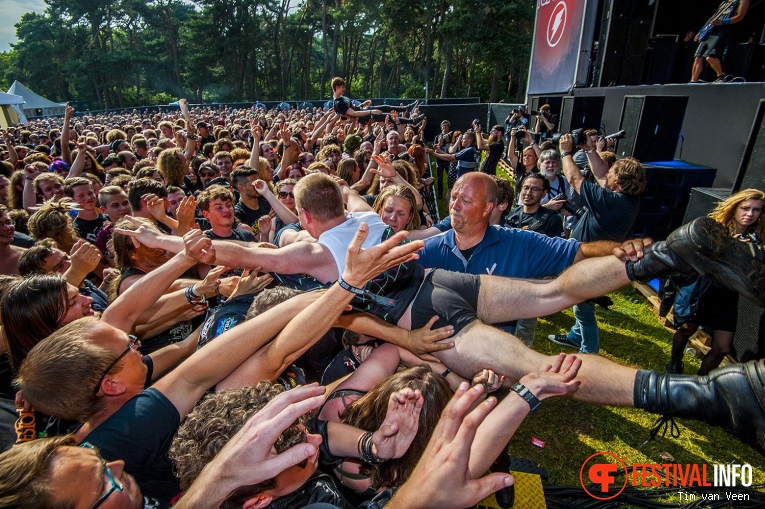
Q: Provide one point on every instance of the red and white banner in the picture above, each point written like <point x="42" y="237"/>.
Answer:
<point x="557" y="43"/>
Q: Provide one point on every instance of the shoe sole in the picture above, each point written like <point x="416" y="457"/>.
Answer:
<point x="734" y="264"/>
<point x="562" y="343"/>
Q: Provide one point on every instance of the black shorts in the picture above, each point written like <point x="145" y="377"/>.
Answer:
<point x="714" y="44"/>
<point x="453" y="296"/>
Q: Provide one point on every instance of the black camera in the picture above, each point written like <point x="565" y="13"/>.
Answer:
<point x="578" y="212"/>
<point x="616" y="136"/>
<point x="577" y="137"/>
<point x="534" y="112"/>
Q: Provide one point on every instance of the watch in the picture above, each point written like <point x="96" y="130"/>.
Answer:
<point x="526" y="394"/>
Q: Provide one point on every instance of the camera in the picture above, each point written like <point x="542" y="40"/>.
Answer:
<point x="534" y="112"/>
<point x="578" y="212"/>
<point x="616" y="136"/>
<point x="577" y="137"/>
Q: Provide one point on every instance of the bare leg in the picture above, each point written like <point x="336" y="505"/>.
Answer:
<point x="479" y="346"/>
<point x="698" y="66"/>
<point x="502" y="299"/>
<point x="721" y="343"/>
<point x="716" y="65"/>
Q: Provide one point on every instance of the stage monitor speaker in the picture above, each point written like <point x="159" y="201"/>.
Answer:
<point x="652" y="125"/>
<point x="749" y="341"/>
<point x="581" y="112"/>
<point x="703" y="200"/>
<point x="751" y="171"/>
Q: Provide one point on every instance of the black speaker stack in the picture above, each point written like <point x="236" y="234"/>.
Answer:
<point x="624" y="31"/>
<point x="652" y="125"/>
<point x="581" y="112"/>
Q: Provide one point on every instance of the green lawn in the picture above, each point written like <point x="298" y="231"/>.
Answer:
<point x="630" y="333"/>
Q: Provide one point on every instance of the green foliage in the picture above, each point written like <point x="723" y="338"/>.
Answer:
<point x="128" y="52"/>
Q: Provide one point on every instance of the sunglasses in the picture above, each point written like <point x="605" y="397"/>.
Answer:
<point x="206" y="174"/>
<point x="132" y="344"/>
<point x="284" y="195"/>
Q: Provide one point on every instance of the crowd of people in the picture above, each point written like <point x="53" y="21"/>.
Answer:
<point x="261" y="308"/>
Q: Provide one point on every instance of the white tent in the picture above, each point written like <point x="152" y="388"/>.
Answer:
<point x="36" y="105"/>
<point x="11" y="110"/>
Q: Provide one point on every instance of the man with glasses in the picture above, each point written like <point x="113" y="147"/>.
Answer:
<point x="63" y="372"/>
<point x="207" y="172"/>
<point x="531" y="215"/>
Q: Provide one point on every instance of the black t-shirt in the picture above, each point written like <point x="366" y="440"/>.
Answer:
<point x="495" y="154"/>
<point x="248" y="216"/>
<point x="342" y="104"/>
<point x="88" y="228"/>
<point x="609" y="215"/>
<point x="235" y="235"/>
<point x="542" y="221"/>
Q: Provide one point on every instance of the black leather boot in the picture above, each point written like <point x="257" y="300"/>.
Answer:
<point x="705" y="247"/>
<point x="732" y="397"/>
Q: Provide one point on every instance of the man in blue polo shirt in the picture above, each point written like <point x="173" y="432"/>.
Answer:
<point x="474" y="246"/>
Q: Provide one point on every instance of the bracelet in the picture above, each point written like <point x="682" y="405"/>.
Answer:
<point x="365" y="450"/>
<point x="193" y="290"/>
<point x="29" y="178"/>
<point x="192" y="299"/>
<point x="347" y="287"/>
<point x="446" y="373"/>
<point x="564" y="154"/>
<point x="589" y="151"/>
<point x="527" y="395"/>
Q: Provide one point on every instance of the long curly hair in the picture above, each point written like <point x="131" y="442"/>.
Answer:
<point x="725" y="212"/>
<point x="213" y="422"/>
<point x="368" y="412"/>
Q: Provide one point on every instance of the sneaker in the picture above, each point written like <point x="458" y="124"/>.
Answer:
<point x="675" y="366"/>
<point x="723" y="78"/>
<point x="562" y="340"/>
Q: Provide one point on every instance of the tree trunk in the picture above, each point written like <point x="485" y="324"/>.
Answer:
<point x="325" y="48"/>
<point x="447" y="71"/>
<point x="495" y="82"/>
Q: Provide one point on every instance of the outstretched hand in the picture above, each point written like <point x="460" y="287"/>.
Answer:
<point x="442" y="477"/>
<point x="399" y="428"/>
<point x="143" y="234"/>
<point x="249" y="457"/>
<point x="556" y="379"/>
<point x="362" y="265"/>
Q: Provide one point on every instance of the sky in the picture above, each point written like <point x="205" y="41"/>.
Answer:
<point x="12" y="10"/>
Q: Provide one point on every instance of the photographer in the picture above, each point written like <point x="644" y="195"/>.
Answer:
<point x="612" y="201"/>
<point x="443" y="141"/>
<point x="517" y="119"/>
<point x="546" y="122"/>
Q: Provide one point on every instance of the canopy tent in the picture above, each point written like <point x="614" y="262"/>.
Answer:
<point x="36" y="105"/>
<point x="11" y="110"/>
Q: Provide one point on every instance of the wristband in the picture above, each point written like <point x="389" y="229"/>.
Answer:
<point x="446" y="373"/>
<point x="725" y="21"/>
<point x="193" y="290"/>
<point x="365" y="450"/>
<point x="527" y="395"/>
<point x="589" y="151"/>
<point x="194" y="300"/>
<point x="564" y="154"/>
<point x="348" y="288"/>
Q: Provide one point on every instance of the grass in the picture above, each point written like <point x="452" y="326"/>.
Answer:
<point x="630" y="333"/>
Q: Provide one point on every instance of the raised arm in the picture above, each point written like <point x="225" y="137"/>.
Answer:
<point x="66" y="153"/>
<point x="229" y="356"/>
<point x="125" y="310"/>
<point x="571" y="171"/>
<point x="285" y="214"/>
<point x="386" y="169"/>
